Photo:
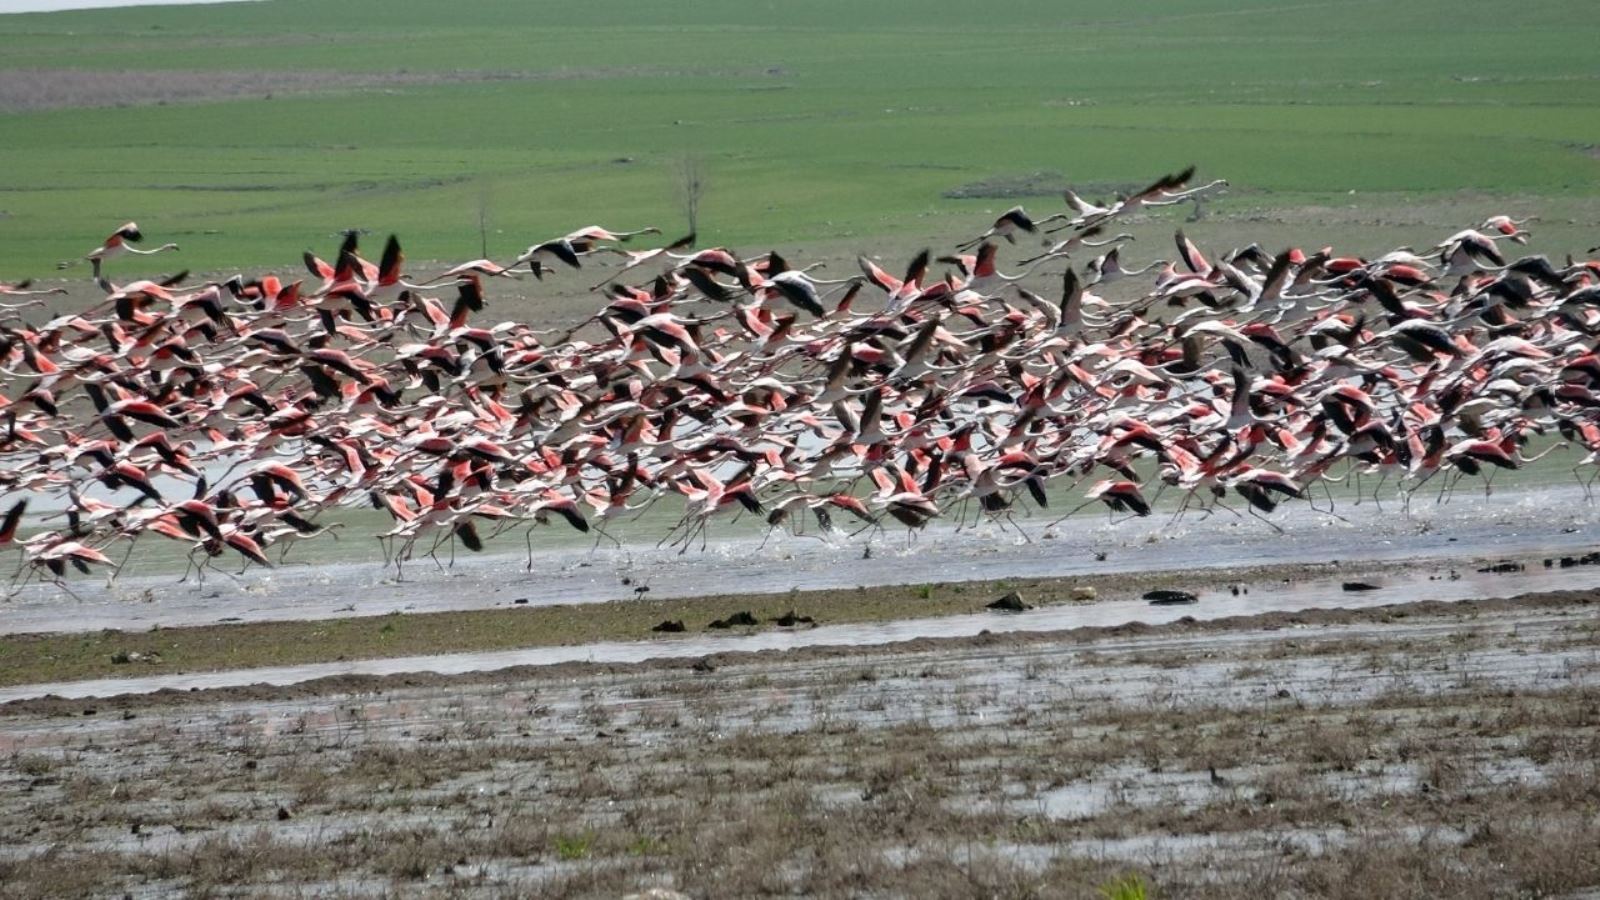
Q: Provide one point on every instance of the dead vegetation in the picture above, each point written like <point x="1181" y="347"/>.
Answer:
<point x="1443" y="753"/>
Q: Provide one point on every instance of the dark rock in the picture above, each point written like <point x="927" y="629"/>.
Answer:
<point x="742" y="617"/>
<point x="1011" y="602"/>
<point x="1354" y="586"/>
<point x="520" y="601"/>
<point x="284" y="814"/>
<point x="1505" y="567"/>
<point x="1166" y="597"/>
<point x="670" y="626"/>
<point x="791" y="619"/>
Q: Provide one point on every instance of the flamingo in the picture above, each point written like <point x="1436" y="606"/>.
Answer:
<point x="1264" y="376"/>
<point x="119" y="243"/>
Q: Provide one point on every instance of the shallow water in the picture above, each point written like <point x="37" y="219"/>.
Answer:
<point x="1537" y="521"/>
<point x="1415" y="583"/>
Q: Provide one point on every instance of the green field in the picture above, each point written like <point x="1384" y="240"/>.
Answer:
<point x="819" y="121"/>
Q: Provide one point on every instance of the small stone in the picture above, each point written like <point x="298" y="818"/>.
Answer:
<point x="1084" y="593"/>
<point x="670" y="626"/>
<point x="1165" y="597"/>
<point x="1355" y="586"/>
<point x="284" y="814"/>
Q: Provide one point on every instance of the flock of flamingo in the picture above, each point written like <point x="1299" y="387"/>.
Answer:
<point x="747" y="385"/>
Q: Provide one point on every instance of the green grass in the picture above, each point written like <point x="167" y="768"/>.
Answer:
<point x="574" y="847"/>
<point x="1126" y="887"/>
<point x="817" y="121"/>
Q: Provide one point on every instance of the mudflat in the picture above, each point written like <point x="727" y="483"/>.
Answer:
<point x="1444" y="748"/>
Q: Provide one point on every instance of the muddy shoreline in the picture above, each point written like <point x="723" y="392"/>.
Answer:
<point x="236" y="654"/>
<point x="996" y="641"/>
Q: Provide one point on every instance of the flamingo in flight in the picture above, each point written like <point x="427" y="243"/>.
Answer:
<point x="739" y="384"/>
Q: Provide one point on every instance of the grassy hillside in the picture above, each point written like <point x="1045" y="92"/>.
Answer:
<point x="286" y="120"/>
